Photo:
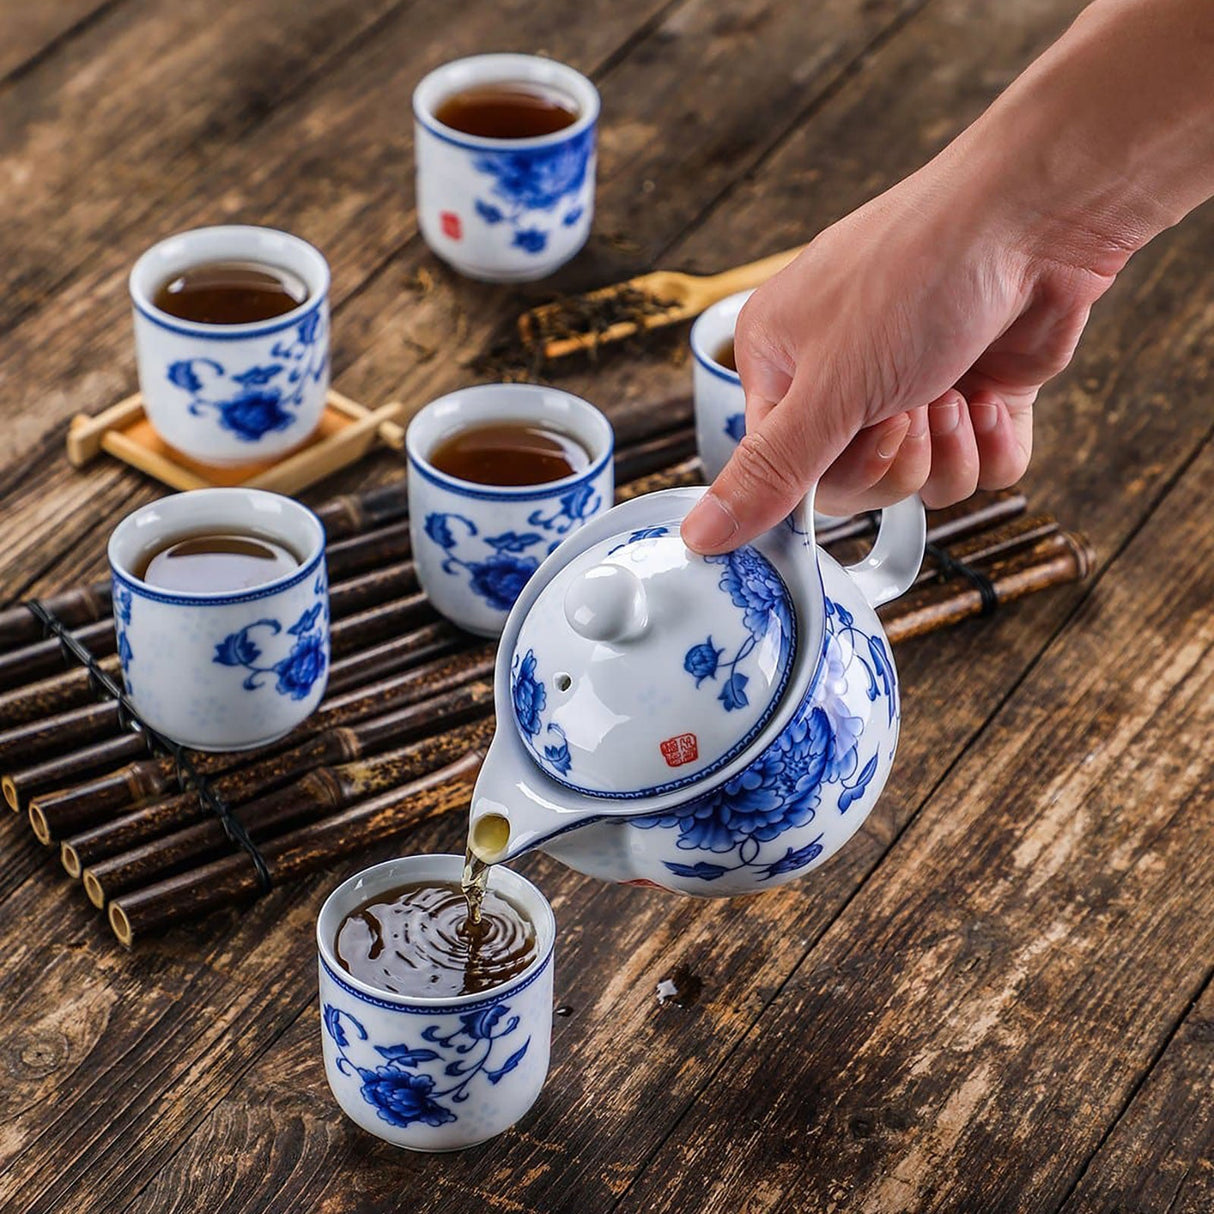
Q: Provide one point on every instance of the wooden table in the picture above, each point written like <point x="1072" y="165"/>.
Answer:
<point x="996" y="999"/>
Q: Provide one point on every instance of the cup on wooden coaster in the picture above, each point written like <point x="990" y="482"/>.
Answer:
<point x="221" y="608"/>
<point x="232" y="341"/>
<point x="434" y="1073"/>
<point x="505" y="150"/>
<point x="499" y="475"/>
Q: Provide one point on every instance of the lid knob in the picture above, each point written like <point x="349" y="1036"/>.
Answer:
<point x="607" y="603"/>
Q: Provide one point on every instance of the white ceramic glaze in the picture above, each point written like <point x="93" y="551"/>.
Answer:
<point x="635" y="630"/>
<point x="230" y="670"/>
<point x="232" y="394"/>
<point x="426" y="1073"/>
<point x="740" y="817"/>
<point x="720" y="403"/>
<point x="505" y="210"/>
<point x="475" y="546"/>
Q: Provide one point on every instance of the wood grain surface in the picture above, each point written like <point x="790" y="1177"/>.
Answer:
<point x="997" y="998"/>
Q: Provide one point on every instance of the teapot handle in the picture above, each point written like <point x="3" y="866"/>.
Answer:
<point x="893" y="562"/>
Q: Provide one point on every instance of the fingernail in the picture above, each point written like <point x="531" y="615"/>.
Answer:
<point x="944" y="417"/>
<point x="984" y="417"/>
<point x="918" y="424"/>
<point x="709" y="525"/>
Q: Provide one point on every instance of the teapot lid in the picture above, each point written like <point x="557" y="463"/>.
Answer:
<point x="642" y="667"/>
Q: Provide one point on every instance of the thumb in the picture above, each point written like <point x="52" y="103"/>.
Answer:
<point x="769" y="473"/>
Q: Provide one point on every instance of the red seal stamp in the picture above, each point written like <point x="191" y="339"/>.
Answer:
<point x="680" y="749"/>
<point x="451" y="225"/>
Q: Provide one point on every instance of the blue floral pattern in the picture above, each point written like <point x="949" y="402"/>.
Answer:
<point x="530" y="180"/>
<point x="122" y="620"/>
<point x="297" y="673"/>
<point x="753" y="585"/>
<point x="262" y="398"/>
<point x="643" y="533"/>
<point x="573" y="509"/>
<point x="396" y="1085"/>
<point x="498" y="576"/>
<point x="735" y="426"/>
<point x="820" y="749"/>
<point x="530" y="700"/>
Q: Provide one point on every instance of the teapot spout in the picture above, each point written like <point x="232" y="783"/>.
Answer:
<point x="508" y="816"/>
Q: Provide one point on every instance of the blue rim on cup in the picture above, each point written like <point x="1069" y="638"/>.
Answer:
<point x="474" y="545"/>
<point x="232" y="394"/>
<point x="505" y="210"/>
<point x="225" y="670"/>
<point x="435" y="1074"/>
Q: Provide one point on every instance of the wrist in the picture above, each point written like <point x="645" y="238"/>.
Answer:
<point x="1105" y="141"/>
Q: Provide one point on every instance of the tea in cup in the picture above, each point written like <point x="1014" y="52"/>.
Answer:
<point x="221" y="608"/>
<point x="232" y="341"/>
<point x="505" y="150"/>
<point x="499" y="475"/>
<point x="440" y="1040"/>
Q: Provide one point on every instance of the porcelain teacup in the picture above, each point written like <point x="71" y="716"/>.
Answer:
<point x="435" y="1074"/>
<point x="720" y="402"/>
<point x="474" y="545"/>
<point x="230" y="394"/>
<point x="229" y="669"/>
<point x="505" y="210"/>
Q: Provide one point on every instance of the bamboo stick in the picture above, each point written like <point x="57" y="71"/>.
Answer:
<point x="318" y="794"/>
<point x="1053" y="561"/>
<point x="50" y="696"/>
<point x="159" y="817"/>
<point x="231" y="880"/>
<point x="76" y="607"/>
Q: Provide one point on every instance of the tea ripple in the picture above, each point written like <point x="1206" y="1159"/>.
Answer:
<point x="417" y="940"/>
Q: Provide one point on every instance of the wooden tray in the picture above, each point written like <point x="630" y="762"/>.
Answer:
<point x="347" y="431"/>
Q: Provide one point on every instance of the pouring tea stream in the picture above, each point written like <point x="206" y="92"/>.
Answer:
<point x="708" y="725"/>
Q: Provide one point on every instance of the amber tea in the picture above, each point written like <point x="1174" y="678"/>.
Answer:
<point x="724" y="355"/>
<point x="215" y="562"/>
<point x="230" y="293"/>
<point x="507" y="110"/>
<point x="417" y="940"/>
<point x="509" y="453"/>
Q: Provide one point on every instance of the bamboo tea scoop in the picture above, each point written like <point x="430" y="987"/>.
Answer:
<point x="652" y="301"/>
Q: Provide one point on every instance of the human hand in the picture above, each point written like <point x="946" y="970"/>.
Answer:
<point x="901" y="352"/>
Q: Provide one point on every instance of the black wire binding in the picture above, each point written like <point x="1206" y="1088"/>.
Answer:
<point x="950" y="566"/>
<point x="188" y="776"/>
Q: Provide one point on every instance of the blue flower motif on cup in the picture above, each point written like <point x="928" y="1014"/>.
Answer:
<point x="297" y="673"/>
<point x="573" y="509"/>
<point x="257" y="400"/>
<point x="122" y="600"/>
<point x="821" y="748"/>
<point x="497" y="577"/>
<point x="531" y="180"/>
<point x="530" y="699"/>
<point x="735" y="426"/>
<point x="394" y="1082"/>
<point x="753" y="585"/>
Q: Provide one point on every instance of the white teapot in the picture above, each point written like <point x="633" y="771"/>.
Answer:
<point x="710" y="725"/>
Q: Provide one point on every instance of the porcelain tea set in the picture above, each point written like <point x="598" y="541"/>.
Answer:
<point x="708" y="725"/>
